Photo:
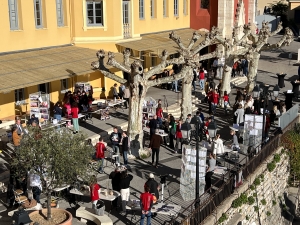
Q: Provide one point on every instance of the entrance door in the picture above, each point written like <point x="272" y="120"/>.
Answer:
<point x="126" y="19"/>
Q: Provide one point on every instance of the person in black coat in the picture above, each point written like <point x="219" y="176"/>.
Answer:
<point x="153" y="185"/>
<point x="153" y="125"/>
<point x="115" y="177"/>
<point x="125" y="147"/>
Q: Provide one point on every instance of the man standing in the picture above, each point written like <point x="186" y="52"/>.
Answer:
<point x="153" y="185"/>
<point x="125" y="146"/>
<point x="153" y="125"/>
<point x="100" y="148"/>
<point x="115" y="177"/>
<point x="20" y="130"/>
<point x="115" y="138"/>
<point x="155" y="142"/>
<point x="146" y="201"/>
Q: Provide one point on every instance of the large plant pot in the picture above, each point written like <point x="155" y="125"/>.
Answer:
<point x="54" y="212"/>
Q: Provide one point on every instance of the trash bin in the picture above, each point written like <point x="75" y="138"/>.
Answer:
<point x="100" y="208"/>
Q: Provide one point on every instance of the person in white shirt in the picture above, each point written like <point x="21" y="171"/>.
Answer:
<point x="217" y="145"/>
<point x="35" y="185"/>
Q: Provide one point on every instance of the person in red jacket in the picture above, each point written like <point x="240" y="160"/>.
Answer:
<point x="146" y="201"/>
<point x="178" y="136"/>
<point x="215" y="101"/>
<point x="74" y="112"/>
<point x="94" y="190"/>
<point x="201" y="78"/>
<point x="100" y="148"/>
<point x="226" y="101"/>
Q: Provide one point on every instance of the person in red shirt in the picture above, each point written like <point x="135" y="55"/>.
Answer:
<point x="201" y="78"/>
<point x="234" y="69"/>
<point x="206" y="128"/>
<point x="74" y="112"/>
<point x="146" y="201"/>
<point x="94" y="190"/>
<point x="178" y="136"/>
<point x="100" y="148"/>
<point x="226" y="101"/>
<point x="215" y="101"/>
<point x="159" y="114"/>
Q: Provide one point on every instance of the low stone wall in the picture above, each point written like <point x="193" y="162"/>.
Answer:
<point x="261" y="197"/>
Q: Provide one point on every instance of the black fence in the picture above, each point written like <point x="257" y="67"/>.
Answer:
<point x="253" y="160"/>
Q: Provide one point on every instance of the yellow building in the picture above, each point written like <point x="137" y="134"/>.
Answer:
<point x="48" y="45"/>
<point x="294" y="11"/>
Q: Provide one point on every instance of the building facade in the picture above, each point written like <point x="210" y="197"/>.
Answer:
<point x="48" y="45"/>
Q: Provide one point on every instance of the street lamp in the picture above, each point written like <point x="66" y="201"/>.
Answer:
<point x="256" y="91"/>
<point x="212" y="129"/>
<point x="196" y="121"/>
<point x="186" y="127"/>
<point x="276" y="91"/>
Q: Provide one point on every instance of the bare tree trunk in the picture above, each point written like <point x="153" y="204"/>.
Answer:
<point x="253" y="65"/>
<point x="49" y="217"/>
<point x="227" y="70"/>
<point x="186" y="100"/>
<point x="135" y="118"/>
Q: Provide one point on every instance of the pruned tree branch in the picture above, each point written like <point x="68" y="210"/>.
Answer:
<point x="177" y="40"/>
<point x="285" y="40"/>
<point x="113" y="77"/>
<point x="194" y="39"/>
<point x="246" y="31"/>
<point x="126" y="55"/>
<point x="209" y="55"/>
<point x="112" y="62"/>
<point x="162" y="80"/>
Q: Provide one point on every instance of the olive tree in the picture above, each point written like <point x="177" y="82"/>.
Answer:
<point x="57" y="157"/>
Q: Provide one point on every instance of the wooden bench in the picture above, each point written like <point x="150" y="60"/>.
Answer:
<point x="88" y="214"/>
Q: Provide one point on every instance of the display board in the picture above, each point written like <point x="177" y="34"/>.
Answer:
<point x="188" y="172"/>
<point x="39" y="105"/>
<point x="253" y="127"/>
<point x="83" y="86"/>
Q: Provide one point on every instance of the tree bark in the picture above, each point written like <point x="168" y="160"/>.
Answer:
<point x="186" y="100"/>
<point x="49" y="216"/>
<point x="227" y="70"/>
<point x="135" y="118"/>
<point x="253" y="65"/>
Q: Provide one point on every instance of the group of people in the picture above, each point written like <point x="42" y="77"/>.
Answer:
<point x="120" y="180"/>
<point x="124" y="93"/>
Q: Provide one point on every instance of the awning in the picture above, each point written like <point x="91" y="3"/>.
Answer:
<point x="155" y="43"/>
<point x="33" y="67"/>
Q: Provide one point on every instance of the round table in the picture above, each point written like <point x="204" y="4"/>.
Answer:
<point x="296" y="88"/>
<point x="281" y="80"/>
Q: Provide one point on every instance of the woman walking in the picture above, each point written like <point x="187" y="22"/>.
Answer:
<point x="74" y="112"/>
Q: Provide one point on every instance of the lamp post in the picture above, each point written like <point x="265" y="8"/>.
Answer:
<point x="196" y="121"/>
<point x="212" y="129"/>
<point x="264" y="93"/>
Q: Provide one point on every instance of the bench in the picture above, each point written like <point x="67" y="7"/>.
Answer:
<point x="88" y="214"/>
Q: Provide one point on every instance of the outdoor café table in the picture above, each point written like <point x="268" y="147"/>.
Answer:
<point x="102" y="195"/>
<point x="162" y="134"/>
<point x="160" y="208"/>
<point x="116" y="103"/>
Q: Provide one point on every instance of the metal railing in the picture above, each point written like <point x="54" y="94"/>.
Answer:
<point x="209" y="205"/>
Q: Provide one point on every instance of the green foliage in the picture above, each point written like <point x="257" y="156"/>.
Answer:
<point x="144" y="156"/>
<point x="252" y="187"/>
<point x="280" y="8"/>
<point x="56" y="156"/>
<point x="256" y="181"/>
<point x="271" y="166"/>
<point x="276" y="158"/>
<point x="268" y="213"/>
<point x="247" y="217"/>
<point x="291" y="141"/>
<point x="251" y="200"/>
<point x="279" y="197"/>
<point x="261" y="176"/>
<point x="256" y="208"/>
<point x="223" y="218"/>
<point x="273" y="202"/>
<point x="263" y="201"/>
<point x="238" y="202"/>
<point x="254" y="195"/>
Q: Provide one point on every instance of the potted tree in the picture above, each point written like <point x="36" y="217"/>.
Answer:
<point x="58" y="157"/>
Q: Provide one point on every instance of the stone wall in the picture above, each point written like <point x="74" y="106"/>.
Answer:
<point x="266" y="190"/>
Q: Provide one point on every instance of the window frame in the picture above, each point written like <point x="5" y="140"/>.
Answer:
<point x="17" y="94"/>
<point x="14" y="26"/>
<point x="185" y="7"/>
<point x="47" y="88"/>
<point x="141" y="9"/>
<point x="64" y="88"/>
<point x="60" y="13"/>
<point x="88" y="2"/>
<point x="152" y="9"/>
<point x="41" y="13"/>
<point x="165" y="8"/>
<point x="176" y="8"/>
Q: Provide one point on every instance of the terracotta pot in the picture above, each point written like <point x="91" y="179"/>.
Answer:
<point x="53" y="210"/>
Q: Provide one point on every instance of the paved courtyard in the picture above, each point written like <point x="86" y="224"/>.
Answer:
<point x="271" y="62"/>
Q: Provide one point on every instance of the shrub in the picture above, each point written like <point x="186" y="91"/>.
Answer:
<point x="273" y="202"/>
<point x="256" y="208"/>
<point x="263" y="201"/>
<point x="271" y="166"/>
<point x="252" y="187"/>
<point x="276" y="158"/>
<point x="256" y="182"/>
<point x="268" y="213"/>
<point x="254" y="195"/>
<point x="222" y="218"/>
<point x="244" y="198"/>
<point x="247" y="217"/>
<point x="261" y="176"/>
<point x="251" y="200"/>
